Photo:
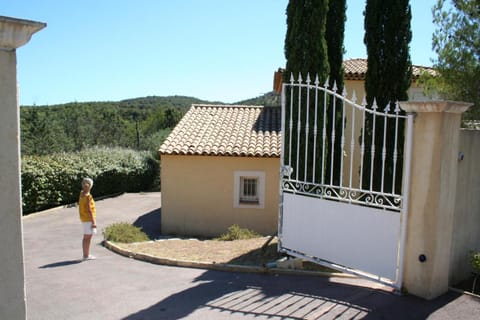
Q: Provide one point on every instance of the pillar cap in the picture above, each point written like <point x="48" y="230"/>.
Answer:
<point x="435" y="106"/>
<point x="15" y="32"/>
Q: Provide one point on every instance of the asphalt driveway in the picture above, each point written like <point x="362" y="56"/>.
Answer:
<point x="59" y="286"/>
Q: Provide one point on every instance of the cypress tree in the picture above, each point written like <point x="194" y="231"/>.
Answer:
<point x="334" y="35"/>
<point x="306" y="53"/>
<point x="305" y="44"/>
<point x="388" y="77"/>
<point x="387" y="37"/>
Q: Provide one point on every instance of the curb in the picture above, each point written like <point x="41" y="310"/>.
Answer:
<point x="217" y="266"/>
<point x="468" y="293"/>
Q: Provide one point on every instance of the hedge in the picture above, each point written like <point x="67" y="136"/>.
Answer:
<point x="52" y="180"/>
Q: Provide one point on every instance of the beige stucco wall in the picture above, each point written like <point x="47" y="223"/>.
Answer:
<point x="13" y="34"/>
<point x="432" y="196"/>
<point x="198" y="195"/>
<point x="12" y="288"/>
<point x="415" y="92"/>
<point x="466" y="227"/>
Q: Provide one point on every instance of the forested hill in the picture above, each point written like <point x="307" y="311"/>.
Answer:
<point x="270" y="99"/>
<point x="140" y="123"/>
<point x="140" y="103"/>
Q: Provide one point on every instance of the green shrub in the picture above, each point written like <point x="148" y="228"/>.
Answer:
<point x="124" y="232"/>
<point x="475" y="261"/>
<point x="55" y="179"/>
<point x="236" y="233"/>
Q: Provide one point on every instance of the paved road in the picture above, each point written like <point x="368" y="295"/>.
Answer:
<point x="115" y="287"/>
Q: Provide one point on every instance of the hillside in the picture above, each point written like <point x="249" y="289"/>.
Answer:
<point x="181" y="102"/>
<point x="139" y="123"/>
<point x="270" y="99"/>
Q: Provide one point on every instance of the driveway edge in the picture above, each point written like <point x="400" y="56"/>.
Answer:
<point x="216" y="266"/>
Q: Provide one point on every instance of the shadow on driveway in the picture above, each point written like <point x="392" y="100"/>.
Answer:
<point x="287" y="297"/>
<point x="60" y="264"/>
<point x="150" y="223"/>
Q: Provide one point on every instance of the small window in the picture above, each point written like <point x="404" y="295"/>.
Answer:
<point x="249" y="191"/>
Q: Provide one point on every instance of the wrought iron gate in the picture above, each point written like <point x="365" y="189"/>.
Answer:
<point x="344" y="181"/>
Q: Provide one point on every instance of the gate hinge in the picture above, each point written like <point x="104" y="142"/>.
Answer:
<point x="286" y="171"/>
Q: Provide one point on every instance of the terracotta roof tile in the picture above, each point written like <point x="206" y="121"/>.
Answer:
<point x="226" y="130"/>
<point x="355" y="69"/>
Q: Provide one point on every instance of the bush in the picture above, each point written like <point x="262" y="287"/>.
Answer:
<point x="475" y="261"/>
<point x="125" y="233"/>
<point x="55" y="179"/>
<point x="236" y="233"/>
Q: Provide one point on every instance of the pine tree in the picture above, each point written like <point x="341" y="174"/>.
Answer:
<point x="389" y="73"/>
<point x="456" y="41"/>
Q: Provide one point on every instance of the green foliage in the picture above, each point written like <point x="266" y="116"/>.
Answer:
<point x="305" y="44"/>
<point x="234" y="232"/>
<point x="387" y="38"/>
<point x="306" y="54"/>
<point x="270" y="99"/>
<point x="475" y="261"/>
<point x="334" y="36"/>
<point x="75" y="126"/>
<point x="456" y="41"/>
<point x="388" y="77"/>
<point x="52" y="180"/>
<point x="124" y="232"/>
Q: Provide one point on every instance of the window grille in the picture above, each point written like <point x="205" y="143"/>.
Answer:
<point x="248" y="190"/>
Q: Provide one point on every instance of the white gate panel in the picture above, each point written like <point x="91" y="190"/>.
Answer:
<point x="356" y="236"/>
<point x="344" y="180"/>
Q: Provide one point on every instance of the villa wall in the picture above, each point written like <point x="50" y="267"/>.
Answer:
<point x="466" y="227"/>
<point x="198" y="194"/>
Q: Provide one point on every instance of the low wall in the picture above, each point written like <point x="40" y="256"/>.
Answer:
<point x="466" y="232"/>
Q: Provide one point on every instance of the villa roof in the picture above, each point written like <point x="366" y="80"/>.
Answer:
<point x="226" y="130"/>
<point x="355" y="69"/>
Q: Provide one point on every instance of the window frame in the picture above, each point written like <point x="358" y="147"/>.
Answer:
<point x="239" y="177"/>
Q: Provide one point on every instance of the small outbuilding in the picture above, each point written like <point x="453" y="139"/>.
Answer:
<point x="220" y="166"/>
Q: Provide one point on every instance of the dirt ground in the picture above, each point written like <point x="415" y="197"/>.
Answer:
<point x="240" y="252"/>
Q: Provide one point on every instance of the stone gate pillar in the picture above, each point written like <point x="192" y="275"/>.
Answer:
<point x="13" y="34"/>
<point x="432" y="193"/>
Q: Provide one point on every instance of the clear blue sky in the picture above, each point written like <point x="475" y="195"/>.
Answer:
<point x="217" y="50"/>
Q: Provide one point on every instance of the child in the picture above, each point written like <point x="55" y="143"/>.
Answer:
<point x="87" y="211"/>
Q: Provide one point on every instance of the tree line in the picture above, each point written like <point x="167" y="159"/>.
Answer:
<point x="140" y="124"/>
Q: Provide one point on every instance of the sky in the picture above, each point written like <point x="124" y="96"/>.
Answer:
<point x="216" y="50"/>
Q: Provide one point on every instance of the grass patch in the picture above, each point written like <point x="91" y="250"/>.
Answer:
<point x="124" y="232"/>
<point x="234" y="232"/>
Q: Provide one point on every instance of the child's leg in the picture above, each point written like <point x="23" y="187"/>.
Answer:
<point x="87" y="239"/>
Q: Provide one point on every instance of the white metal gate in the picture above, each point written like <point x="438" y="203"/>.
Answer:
<point x="344" y="167"/>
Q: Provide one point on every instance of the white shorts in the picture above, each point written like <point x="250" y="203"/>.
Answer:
<point x="87" y="227"/>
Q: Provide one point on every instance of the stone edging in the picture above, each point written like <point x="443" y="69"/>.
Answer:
<point x="216" y="266"/>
